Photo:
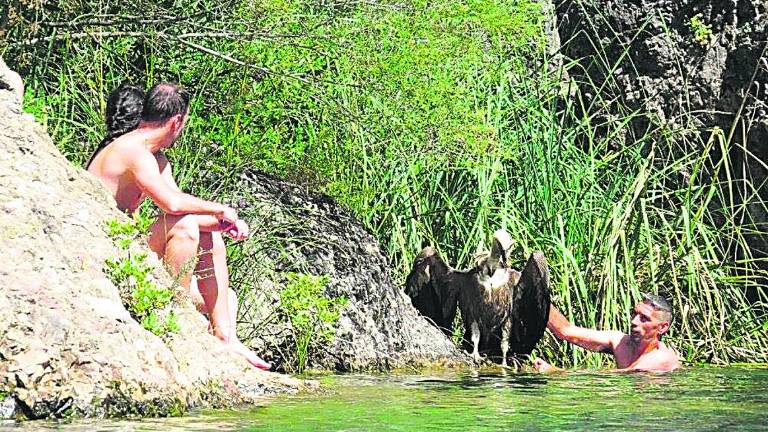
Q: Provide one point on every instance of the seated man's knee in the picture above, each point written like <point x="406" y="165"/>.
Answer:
<point x="187" y="228"/>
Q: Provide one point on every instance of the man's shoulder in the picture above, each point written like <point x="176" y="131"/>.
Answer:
<point x="662" y="359"/>
<point x="668" y="354"/>
<point x="129" y="148"/>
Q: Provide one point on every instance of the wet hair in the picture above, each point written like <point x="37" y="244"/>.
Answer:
<point x="660" y="305"/>
<point x="124" y="107"/>
<point x="163" y="101"/>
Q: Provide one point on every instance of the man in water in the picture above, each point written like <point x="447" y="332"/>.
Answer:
<point x="187" y="236"/>
<point x="640" y="350"/>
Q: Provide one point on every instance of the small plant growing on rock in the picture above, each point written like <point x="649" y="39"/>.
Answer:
<point x="131" y="273"/>
<point x="313" y="316"/>
<point x="702" y="32"/>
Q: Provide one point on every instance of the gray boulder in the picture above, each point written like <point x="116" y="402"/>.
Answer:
<point x="295" y="230"/>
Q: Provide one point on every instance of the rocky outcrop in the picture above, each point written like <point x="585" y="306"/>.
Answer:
<point x="674" y="57"/>
<point x="295" y="230"/>
<point x="687" y="63"/>
<point x="11" y="81"/>
<point x="67" y="344"/>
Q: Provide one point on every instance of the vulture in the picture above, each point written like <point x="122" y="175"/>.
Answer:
<point x="502" y="310"/>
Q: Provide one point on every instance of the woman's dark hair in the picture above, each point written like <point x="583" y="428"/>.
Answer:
<point x="124" y="107"/>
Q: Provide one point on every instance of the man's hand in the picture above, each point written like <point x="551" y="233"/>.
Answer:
<point x="237" y="230"/>
<point x="227" y="216"/>
<point x="542" y="366"/>
<point x="240" y="230"/>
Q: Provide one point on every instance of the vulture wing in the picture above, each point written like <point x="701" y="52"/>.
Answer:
<point x="430" y="291"/>
<point x="530" y="311"/>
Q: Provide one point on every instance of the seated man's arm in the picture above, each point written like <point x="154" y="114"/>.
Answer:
<point x="591" y="339"/>
<point x="166" y="171"/>
<point x="146" y="172"/>
<point x="208" y="223"/>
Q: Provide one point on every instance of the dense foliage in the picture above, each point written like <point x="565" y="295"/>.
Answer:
<point x="434" y="122"/>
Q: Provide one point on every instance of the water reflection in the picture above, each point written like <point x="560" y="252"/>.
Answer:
<point x="694" y="399"/>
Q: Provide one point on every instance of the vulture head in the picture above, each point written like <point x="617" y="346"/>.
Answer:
<point x="493" y="267"/>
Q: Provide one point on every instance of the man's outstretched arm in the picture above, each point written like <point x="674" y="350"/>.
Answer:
<point x="591" y="339"/>
<point x="238" y="230"/>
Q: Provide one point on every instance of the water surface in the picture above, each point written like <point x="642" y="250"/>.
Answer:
<point x="696" y="399"/>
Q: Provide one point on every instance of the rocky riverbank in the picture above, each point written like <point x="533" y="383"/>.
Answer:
<point x="68" y="346"/>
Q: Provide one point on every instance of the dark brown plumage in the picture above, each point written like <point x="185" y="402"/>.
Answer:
<point x="431" y="291"/>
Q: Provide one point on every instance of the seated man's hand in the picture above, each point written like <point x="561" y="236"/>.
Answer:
<point x="242" y="231"/>
<point x="237" y="230"/>
<point x="227" y="216"/>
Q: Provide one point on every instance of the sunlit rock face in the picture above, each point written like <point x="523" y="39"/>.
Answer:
<point x="68" y="346"/>
<point x="687" y="63"/>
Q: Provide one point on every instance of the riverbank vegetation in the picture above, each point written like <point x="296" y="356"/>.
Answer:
<point x="148" y="302"/>
<point x="434" y="122"/>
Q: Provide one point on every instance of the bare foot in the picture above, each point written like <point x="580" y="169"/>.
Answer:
<point x="237" y="347"/>
<point x="543" y="367"/>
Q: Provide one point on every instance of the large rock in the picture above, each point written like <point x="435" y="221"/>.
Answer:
<point x="67" y="344"/>
<point x="657" y="56"/>
<point x="11" y="81"/>
<point x="295" y="230"/>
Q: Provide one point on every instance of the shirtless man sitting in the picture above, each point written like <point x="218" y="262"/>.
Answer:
<point x="188" y="235"/>
<point x="640" y="350"/>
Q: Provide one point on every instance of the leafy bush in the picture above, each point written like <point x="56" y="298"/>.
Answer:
<point x="313" y="316"/>
<point x="133" y="275"/>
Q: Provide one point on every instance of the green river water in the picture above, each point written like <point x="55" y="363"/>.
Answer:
<point x="695" y="399"/>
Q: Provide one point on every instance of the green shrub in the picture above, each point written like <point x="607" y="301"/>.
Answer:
<point x="702" y="32"/>
<point x="313" y="316"/>
<point x="145" y="299"/>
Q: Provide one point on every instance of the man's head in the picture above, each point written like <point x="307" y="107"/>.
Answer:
<point x="166" y="105"/>
<point x="652" y="318"/>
